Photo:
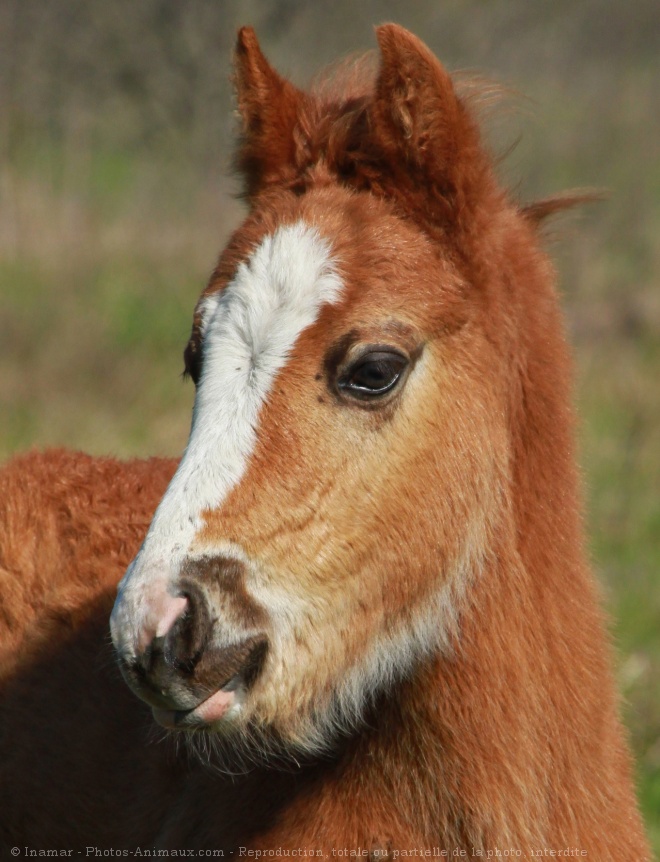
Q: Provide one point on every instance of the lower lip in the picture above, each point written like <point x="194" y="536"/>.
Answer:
<point x="209" y="711"/>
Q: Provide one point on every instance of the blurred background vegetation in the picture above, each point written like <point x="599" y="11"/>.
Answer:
<point x="115" y="199"/>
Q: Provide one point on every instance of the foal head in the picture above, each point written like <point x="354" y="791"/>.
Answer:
<point x="349" y="462"/>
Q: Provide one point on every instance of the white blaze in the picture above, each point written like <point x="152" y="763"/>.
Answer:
<point x="248" y="331"/>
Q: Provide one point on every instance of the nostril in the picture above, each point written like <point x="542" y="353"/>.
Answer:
<point x="163" y="610"/>
<point x="175" y="609"/>
<point x="187" y="638"/>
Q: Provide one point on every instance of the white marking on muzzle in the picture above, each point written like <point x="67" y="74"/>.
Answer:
<point x="248" y="330"/>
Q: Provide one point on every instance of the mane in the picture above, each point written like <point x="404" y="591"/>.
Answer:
<point x="539" y="211"/>
<point x="331" y="122"/>
<point x="345" y="81"/>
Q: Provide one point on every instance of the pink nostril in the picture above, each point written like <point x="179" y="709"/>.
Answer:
<point x="174" y="610"/>
<point x="162" y="612"/>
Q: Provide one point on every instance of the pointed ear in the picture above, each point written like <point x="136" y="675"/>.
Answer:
<point x="268" y="106"/>
<point x="422" y="128"/>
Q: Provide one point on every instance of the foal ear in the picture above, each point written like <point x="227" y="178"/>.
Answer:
<point x="268" y="106"/>
<point x="422" y="128"/>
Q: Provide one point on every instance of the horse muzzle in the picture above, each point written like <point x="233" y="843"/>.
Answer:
<point x="192" y="656"/>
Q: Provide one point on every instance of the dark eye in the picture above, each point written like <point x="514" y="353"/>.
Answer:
<point x="192" y="361"/>
<point x="373" y="374"/>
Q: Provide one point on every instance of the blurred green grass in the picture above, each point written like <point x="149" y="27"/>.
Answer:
<point x="114" y="205"/>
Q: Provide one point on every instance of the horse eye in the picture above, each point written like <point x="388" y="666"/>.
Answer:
<point x="373" y="375"/>
<point x="192" y="361"/>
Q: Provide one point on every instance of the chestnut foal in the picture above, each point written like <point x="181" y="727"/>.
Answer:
<point x="364" y="592"/>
